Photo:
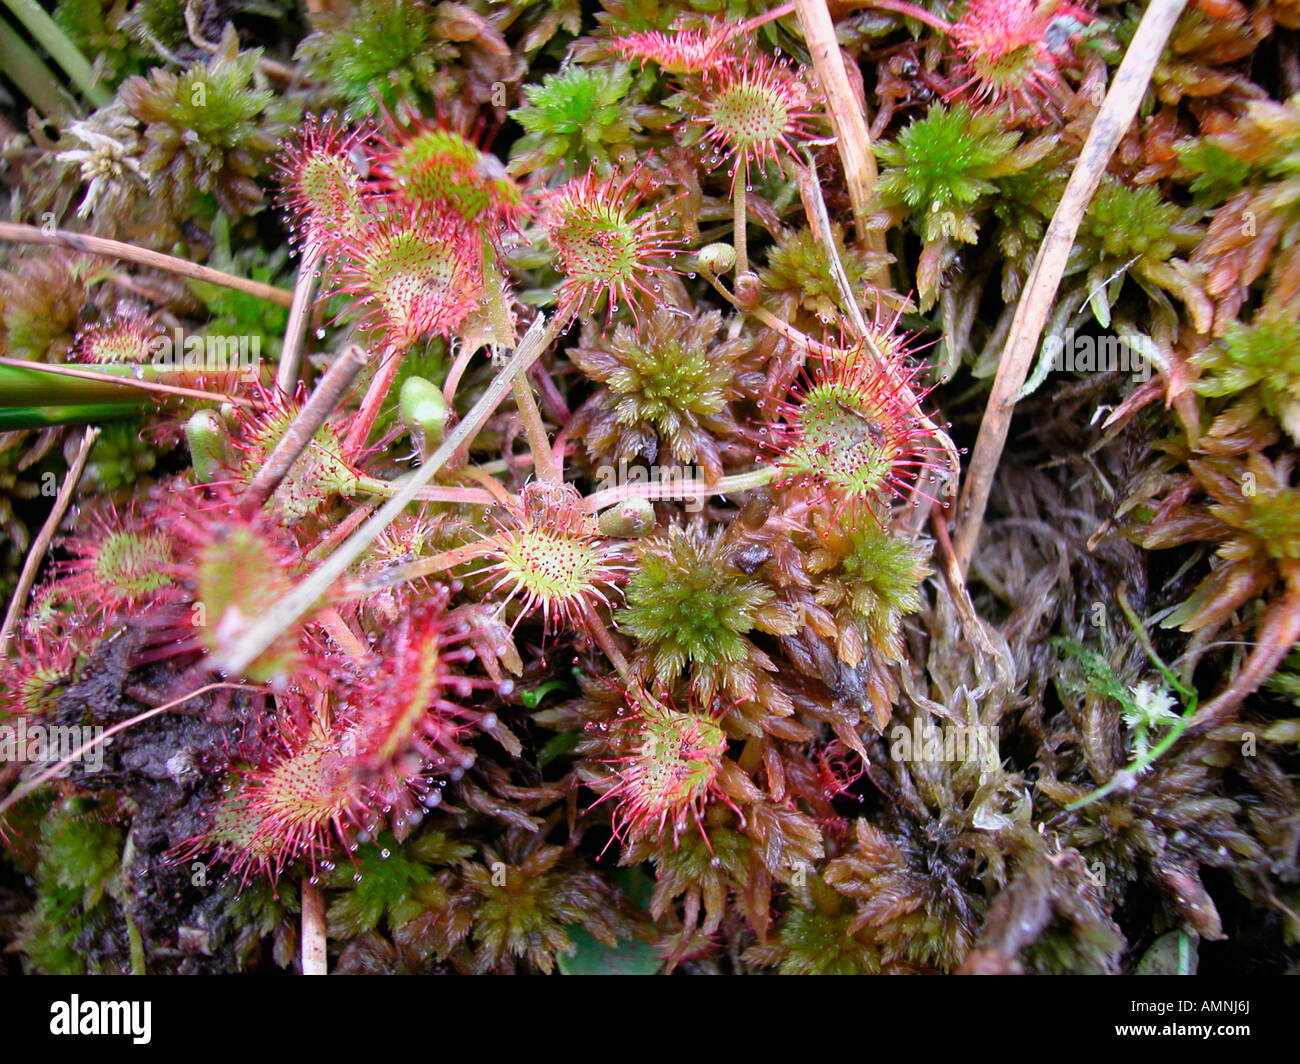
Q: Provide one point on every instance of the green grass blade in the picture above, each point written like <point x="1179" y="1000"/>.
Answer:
<point x="34" y="79"/>
<point x="13" y="418"/>
<point x="50" y="37"/>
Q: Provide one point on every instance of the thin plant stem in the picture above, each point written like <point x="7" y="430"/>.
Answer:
<point x="913" y="11"/>
<point x="450" y="493"/>
<point x="457" y="370"/>
<point x="557" y="451"/>
<point x="120" y="380"/>
<point x="847" y="110"/>
<point x="46" y="536"/>
<point x="315" y="958"/>
<point x="767" y="16"/>
<point x="1121" y="597"/>
<point x="339" y="631"/>
<point x="677" y="489"/>
<point x="438" y="493"/>
<point x="741" y="238"/>
<point x="820" y="224"/>
<point x="538" y="442"/>
<point x="339" y="532"/>
<point x="494" y="287"/>
<point x="490" y="484"/>
<point x="1113" y="119"/>
<point x="1275" y="636"/>
<point x="604" y="639"/>
<point x="115" y="249"/>
<point x="438" y="563"/>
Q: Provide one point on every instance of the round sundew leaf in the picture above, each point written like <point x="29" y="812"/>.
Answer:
<point x="130" y="564"/>
<point x="415" y="277"/>
<point x="603" y="250"/>
<point x="856" y="431"/>
<point x="751" y="111"/>
<point x="440" y="169"/>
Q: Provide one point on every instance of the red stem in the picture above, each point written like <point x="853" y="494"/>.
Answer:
<point x="359" y="432"/>
<point x="902" y="7"/>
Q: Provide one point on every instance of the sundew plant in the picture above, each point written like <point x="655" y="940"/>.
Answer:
<point x="527" y="487"/>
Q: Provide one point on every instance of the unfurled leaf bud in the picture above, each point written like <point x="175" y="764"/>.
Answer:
<point x="424" y="412"/>
<point x="716" y="258"/>
<point x="206" y="437"/>
<point x="628" y="519"/>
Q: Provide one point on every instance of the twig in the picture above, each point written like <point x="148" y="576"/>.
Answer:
<point x="263" y="632"/>
<point x="46" y="536"/>
<point x="102" y="737"/>
<point x="323" y="400"/>
<point x="115" y="249"/>
<point x="1116" y="114"/>
<point x="314" y="958"/>
<point x="848" y="119"/>
<point x="295" y="332"/>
